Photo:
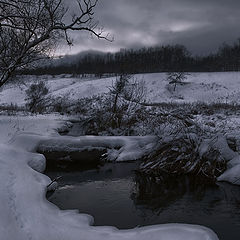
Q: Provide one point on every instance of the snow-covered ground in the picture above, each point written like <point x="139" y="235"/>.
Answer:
<point x="199" y="87"/>
<point x="25" y="212"/>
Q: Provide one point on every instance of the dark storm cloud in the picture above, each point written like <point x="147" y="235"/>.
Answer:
<point x="201" y="25"/>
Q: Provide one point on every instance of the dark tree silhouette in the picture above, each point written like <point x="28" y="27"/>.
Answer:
<point x="30" y="29"/>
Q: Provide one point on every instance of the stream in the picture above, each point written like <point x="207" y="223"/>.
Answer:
<point x="111" y="194"/>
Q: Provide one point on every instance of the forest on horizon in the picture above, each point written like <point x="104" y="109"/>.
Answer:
<point x="168" y="58"/>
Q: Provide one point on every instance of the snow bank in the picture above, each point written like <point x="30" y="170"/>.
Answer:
<point x="219" y="143"/>
<point x="120" y="148"/>
<point x="232" y="174"/>
<point x="25" y="212"/>
<point x="12" y="126"/>
<point x="40" y="133"/>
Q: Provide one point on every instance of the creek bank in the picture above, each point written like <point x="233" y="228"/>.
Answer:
<point x="205" y="160"/>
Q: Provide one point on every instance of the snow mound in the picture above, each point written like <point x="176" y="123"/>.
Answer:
<point x="231" y="175"/>
<point x="219" y="143"/>
<point x="38" y="162"/>
<point x="235" y="161"/>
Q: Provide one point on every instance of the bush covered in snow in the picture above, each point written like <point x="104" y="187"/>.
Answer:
<point x="187" y="155"/>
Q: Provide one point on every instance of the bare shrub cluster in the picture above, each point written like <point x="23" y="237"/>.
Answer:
<point x="117" y="111"/>
<point x="176" y="78"/>
<point x="36" y="97"/>
<point x="182" y="155"/>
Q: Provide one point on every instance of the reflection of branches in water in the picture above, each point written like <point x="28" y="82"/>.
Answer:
<point x="184" y="191"/>
<point x="157" y="197"/>
<point x="231" y="193"/>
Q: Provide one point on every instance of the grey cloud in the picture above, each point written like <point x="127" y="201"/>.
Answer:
<point x="200" y="25"/>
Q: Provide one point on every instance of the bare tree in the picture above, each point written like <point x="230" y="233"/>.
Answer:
<point x="36" y="97"/>
<point x="30" y="29"/>
<point x="176" y="78"/>
<point x="126" y="96"/>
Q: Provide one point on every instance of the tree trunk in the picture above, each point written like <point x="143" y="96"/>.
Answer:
<point x="4" y="78"/>
<point x="175" y="85"/>
<point x="114" y="123"/>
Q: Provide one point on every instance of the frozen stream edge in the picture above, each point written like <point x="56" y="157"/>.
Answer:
<point x="26" y="214"/>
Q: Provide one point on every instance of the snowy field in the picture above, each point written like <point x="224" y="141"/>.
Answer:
<point x="25" y="212"/>
<point x="199" y="87"/>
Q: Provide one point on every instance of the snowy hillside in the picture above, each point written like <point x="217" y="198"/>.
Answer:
<point x="198" y="87"/>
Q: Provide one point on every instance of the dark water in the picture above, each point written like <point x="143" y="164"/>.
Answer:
<point x="111" y="195"/>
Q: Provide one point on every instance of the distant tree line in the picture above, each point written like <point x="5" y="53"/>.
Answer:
<point x="145" y="60"/>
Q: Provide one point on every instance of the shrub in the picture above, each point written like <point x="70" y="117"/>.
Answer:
<point x="186" y="155"/>
<point x="124" y="98"/>
<point x="176" y="78"/>
<point x="60" y="105"/>
<point x="37" y="97"/>
<point x="116" y="112"/>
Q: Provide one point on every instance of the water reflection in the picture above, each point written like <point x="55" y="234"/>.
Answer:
<point x="161" y="194"/>
<point x="183" y="201"/>
<point x="115" y="197"/>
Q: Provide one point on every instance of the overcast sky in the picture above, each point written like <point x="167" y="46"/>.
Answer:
<point x="200" y="25"/>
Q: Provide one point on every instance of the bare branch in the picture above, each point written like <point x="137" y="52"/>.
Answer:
<point x="29" y="29"/>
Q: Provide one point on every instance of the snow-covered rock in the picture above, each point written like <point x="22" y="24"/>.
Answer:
<point x="65" y="127"/>
<point x="235" y="161"/>
<point x="38" y="162"/>
<point x="231" y="175"/>
<point x="220" y="144"/>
